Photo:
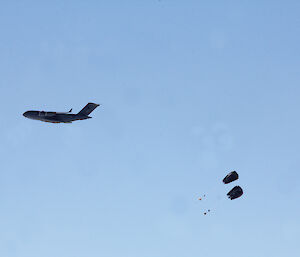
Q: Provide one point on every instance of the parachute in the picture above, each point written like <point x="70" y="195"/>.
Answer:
<point x="235" y="192"/>
<point x="232" y="176"/>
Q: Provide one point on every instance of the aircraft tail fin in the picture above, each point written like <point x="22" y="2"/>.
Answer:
<point x="88" y="109"/>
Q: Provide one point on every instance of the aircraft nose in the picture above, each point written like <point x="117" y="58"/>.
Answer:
<point x="25" y="114"/>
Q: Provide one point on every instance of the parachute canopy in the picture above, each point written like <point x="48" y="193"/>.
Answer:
<point x="232" y="176"/>
<point x="235" y="192"/>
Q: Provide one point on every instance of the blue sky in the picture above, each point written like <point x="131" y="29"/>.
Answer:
<point x="189" y="91"/>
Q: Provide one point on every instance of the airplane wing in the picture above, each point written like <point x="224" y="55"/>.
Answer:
<point x="64" y="112"/>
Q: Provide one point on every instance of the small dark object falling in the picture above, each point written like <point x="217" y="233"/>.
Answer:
<point x="235" y="192"/>
<point x="206" y="212"/>
<point x="201" y="198"/>
<point x="232" y="176"/>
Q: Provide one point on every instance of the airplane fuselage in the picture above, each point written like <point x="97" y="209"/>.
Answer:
<point x="61" y="117"/>
<point x="54" y="117"/>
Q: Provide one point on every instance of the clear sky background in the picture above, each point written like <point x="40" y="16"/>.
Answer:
<point x="190" y="90"/>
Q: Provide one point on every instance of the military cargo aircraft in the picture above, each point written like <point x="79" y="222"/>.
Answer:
<point x="61" y="117"/>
